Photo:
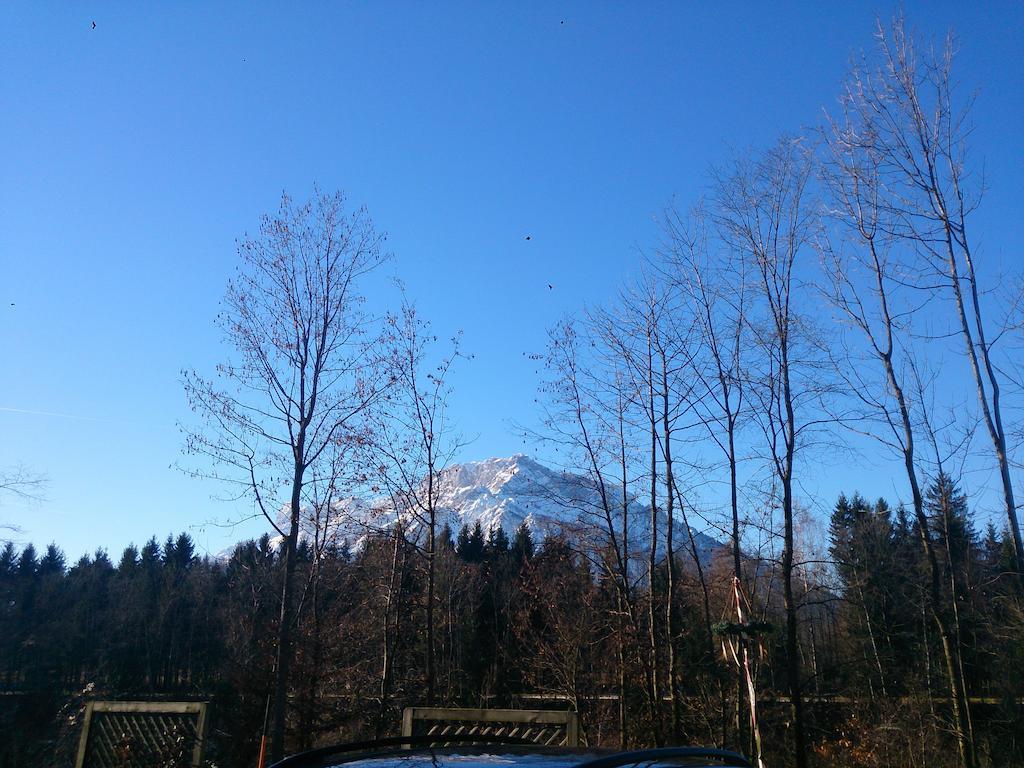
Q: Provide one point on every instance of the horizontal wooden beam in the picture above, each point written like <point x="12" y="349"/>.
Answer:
<point x="491" y="715"/>
<point x="163" y="707"/>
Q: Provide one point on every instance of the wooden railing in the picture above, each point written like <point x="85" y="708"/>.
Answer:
<point x="537" y="726"/>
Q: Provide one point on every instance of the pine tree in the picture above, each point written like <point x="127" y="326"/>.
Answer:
<point x="150" y="555"/>
<point x="522" y="544"/>
<point x="863" y="546"/>
<point x="954" y="531"/>
<point x="52" y="562"/>
<point x="477" y="543"/>
<point x="462" y="543"/>
<point x="445" y="539"/>
<point x="129" y="559"/>
<point x="8" y="560"/>
<point x="497" y="543"/>
<point x="184" y="551"/>
<point x="471" y="543"/>
<point x="27" y="562"/>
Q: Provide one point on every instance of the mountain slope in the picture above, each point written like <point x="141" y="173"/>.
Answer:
<point x="505" y="492"/>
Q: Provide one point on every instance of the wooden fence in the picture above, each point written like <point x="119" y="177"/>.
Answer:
<point x="142" y="734"/>
<point x="538" y="726"/>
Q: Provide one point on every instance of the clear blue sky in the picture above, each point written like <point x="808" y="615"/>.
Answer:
<point x="133" y="155"/>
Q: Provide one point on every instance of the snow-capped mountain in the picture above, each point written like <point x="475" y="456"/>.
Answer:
<point x="505" y="492"/>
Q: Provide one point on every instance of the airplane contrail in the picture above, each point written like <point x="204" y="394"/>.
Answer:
<point x="26" y="411"/>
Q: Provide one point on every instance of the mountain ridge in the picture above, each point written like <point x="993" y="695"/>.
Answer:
<point x="508" y="491"/>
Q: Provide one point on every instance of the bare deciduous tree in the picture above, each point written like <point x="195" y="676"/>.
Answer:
<point x="652" y="341"/>
<point x="21" y="483"/>
<point x="904" y="111"/>
<point x="284" y="410"/>
<point x="716" y="293"/>
<point x="414" y="442"/>
<point x="868" y="273"/>
<point x="763" y="212"/>
<point x="589" y="395"/>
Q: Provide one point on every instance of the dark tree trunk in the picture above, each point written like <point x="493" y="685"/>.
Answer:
<point x="279" y="708"/>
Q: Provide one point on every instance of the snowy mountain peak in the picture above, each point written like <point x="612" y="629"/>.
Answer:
<point x="509" y="491"/>
<point x="506" y="492"/>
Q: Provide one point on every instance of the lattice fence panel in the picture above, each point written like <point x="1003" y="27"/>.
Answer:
<point x="142" y="735"/>
<point x="545" y="727"/>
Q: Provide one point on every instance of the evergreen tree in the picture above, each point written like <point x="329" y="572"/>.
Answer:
<point x="522" y="544"/>
<point x="445" y="539"/>
<point x="169" y="550"/>
<point x="266" y="548"/>
<point x="863" y="542"/>
<point x="497" y="543"/>
<point x="101" y="560"/>
<point x="184" y="552"/>
<point x="27" y="562"/>
<point x="462" y="543"/>
<point x="52" y="562"/>
<point x="8" y="560"/>
<point x="150" y="555"/>
<point x="954" y="530"/>
<point x="129" y="559"/>
<point x="471" y="543"/>
<point x="477" y="543"/>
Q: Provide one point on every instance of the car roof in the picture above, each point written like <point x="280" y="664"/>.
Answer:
<point x="418" y="752"/>
<point x="492" y="758"/>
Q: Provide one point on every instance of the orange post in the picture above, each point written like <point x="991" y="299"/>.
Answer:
<point x="262" y="762"/>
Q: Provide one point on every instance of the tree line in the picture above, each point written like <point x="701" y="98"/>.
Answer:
<point x="528" y="624"/>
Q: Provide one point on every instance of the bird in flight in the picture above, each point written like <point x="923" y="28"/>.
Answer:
<point x="94" y="25"/>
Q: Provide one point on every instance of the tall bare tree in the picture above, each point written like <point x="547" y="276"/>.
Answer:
<point x="651" y="337"/>
<point x="715" y="287"/>
<point x="903" y="108"/>
<point x="866" y="279"/>
<point x="414" y="442"/>
<point x="763" y="211"/>
<point x="391" y="626"/>
<point x="588" y="396"/>
<point x="286" y="405"/>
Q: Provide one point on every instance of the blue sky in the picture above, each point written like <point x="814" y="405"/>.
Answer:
<point x="135" y="153"/>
